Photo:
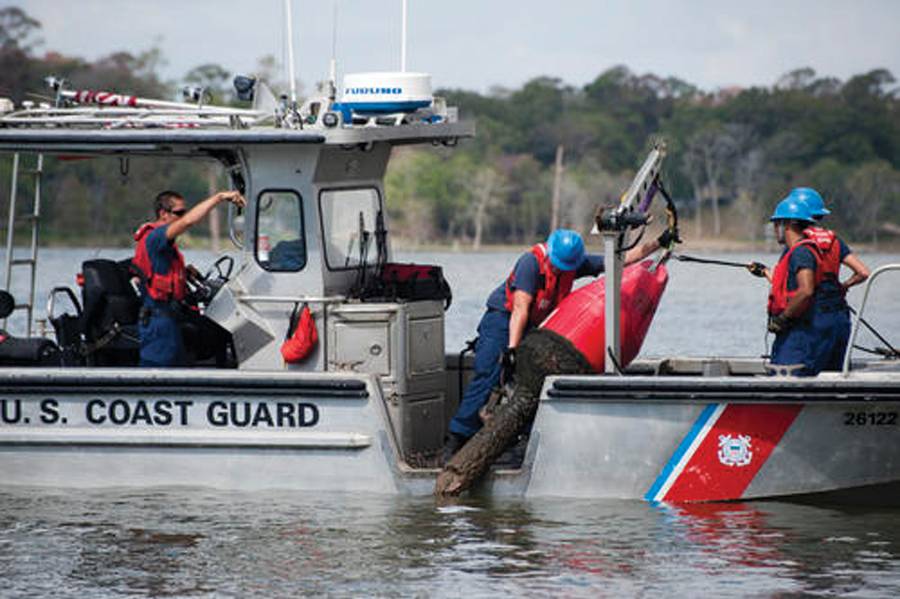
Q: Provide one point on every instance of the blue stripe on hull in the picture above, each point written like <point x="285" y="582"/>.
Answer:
<point x="704" y="417"/>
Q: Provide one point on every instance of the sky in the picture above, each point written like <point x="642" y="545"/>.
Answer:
<point x="479" y="44"/>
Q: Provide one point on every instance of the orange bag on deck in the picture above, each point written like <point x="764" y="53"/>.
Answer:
<point x="302" y="336"/>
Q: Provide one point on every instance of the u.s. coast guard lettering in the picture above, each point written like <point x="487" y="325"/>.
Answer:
<point x="159" y="413"/>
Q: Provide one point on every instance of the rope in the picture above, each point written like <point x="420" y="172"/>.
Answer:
<point x="893" y="350"/>
<point x="683" y="258"/>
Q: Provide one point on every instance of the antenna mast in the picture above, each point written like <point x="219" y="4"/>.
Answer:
<point x="290" y="44"/>
<point x="332" y="67"/>
<point x="403" y="36"/>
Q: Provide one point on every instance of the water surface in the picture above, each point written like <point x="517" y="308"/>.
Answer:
<point x="201" y="543"/>
<point x="176" y="542"/>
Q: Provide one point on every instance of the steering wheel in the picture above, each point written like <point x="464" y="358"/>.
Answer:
<point x="217" y="270"/>
<point x="204" y="288"/>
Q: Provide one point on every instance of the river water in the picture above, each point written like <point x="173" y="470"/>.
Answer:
<point x="185" y="542"/>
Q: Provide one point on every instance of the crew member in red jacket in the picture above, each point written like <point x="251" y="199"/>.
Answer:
<point x="164" y="274"/>
<point x="541" y="278"/>
<point x="816" y="336"/>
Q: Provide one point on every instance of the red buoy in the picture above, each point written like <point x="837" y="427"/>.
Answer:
<point x="580" y="316"/>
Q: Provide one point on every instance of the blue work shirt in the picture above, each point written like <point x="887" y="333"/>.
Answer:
<point x="802" y="258"/>
<point x="162" y="253"/>
<point x="527" y="272"/>
<point x="161" y="343"/>
<point x="828" y="291"/>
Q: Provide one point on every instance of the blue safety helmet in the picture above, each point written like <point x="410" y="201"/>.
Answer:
<point x="566" y="248"/>
<point x="812" y="199"/>
<point x="791" y="209"/>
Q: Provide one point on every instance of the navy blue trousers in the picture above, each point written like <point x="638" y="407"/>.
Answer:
<point x="818" y="342"/>
<point x="493" y="338"/>
<point x="161" y="342"/>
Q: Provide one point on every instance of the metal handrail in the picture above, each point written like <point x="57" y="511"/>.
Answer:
<point x="286" y="299"/>
<point x="51" y="300"/>
<point x="859" y="313"/>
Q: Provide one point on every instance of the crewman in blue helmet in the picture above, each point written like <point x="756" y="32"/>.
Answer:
<point x="541" y="278"/>
<point x="810" y="332"/>
<point x="828" y="299"/>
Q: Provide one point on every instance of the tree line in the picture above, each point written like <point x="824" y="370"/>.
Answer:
<point x="732" y="153"/>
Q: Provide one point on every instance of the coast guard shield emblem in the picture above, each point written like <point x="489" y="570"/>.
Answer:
<point x="735" y="451"/>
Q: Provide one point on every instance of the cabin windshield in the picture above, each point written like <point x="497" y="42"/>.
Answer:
<point x="349" y="222"/>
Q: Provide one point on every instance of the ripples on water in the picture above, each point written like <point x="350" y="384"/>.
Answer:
<point x="202" y="543"/>
<point x="197" y="543"/>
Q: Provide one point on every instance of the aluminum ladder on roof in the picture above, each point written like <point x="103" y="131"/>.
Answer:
<point x="34" y="218"/>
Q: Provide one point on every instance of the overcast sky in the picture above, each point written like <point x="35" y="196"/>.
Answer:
<point x="476" y="44"/>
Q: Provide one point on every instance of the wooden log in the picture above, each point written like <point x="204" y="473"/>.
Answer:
<point x="540" y="354"/>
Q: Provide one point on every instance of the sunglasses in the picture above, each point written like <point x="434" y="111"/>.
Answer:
<point x="178" y="213"/>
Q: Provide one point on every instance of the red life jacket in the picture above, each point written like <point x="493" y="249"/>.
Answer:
<point x="779" y="294"/>
<point x="164" y="288"/>
<point x="302" y="336"/>
<point x="551" y="289"/>
<point x="829" y="250"/>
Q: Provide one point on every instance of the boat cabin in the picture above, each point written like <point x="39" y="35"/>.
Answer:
<point x="313" y="234"/>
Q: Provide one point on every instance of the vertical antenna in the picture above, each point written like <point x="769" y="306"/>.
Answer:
<point x="403" y="37"/>
<point x="290" y="44"/>
<point x="332" y="70"/>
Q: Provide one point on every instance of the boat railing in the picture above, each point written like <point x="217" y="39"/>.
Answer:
<point x="290" y="299"/>
<point x="859" y="315"/>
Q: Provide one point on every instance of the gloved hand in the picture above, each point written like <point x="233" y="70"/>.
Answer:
<point x="508" y="365"/>
<point x="757" y="269"/>
<point x="778" y="324"/>
<point x="667" y="237"/>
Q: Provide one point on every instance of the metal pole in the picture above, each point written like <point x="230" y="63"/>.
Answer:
<point x="11" y="223"/>
<point x="845" y="371"/>
<point x="290" y="45"/>
<point x="12" y="218"/>
<point x="35" y="229"/>
<point x="332" y="66"/>
<point x="403" y="36"/>
<point x="612" y="262"/>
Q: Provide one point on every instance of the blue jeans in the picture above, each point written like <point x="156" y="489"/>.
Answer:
<point x="493" y="338"/>
<point x="818" y="342"/>
<point x="161" y="342"/>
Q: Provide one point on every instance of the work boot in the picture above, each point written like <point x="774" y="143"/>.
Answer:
<point x="452" y="444"/>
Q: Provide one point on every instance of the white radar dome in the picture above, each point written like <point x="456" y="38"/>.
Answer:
<point x="386" y="93"/>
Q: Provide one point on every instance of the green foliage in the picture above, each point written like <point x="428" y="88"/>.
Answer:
<point x="738" y="150"/>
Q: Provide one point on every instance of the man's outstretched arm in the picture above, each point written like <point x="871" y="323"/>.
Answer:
<point x="199" y="212"/>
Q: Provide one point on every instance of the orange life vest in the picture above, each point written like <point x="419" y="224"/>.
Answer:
<point x="302" y="336"/>
<point x="779" y="294"/>
<point x="551" y="288"/>
<point x="161" y="287"/>
<point x="829" y="251"/>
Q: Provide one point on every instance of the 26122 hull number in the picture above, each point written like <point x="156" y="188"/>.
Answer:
<point x="870" y="418"/>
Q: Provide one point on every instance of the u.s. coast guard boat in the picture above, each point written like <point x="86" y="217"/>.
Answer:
<point x="367" y="410"/>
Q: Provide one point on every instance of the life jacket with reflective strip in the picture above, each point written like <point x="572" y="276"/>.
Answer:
<point x="160" y="287"/>
<point x="829" y="251"/>
<point x="779" y="294"/>
<point x="551" y="287"/>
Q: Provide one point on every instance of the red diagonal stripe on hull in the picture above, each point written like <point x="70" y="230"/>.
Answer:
<point x="706" y="478"/>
